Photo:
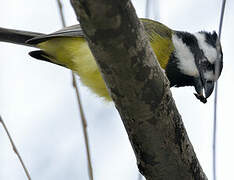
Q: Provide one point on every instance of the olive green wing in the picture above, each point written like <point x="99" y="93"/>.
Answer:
<point x="160" y="37"/>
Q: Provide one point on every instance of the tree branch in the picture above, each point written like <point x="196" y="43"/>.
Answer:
<point x="139" y="89"/>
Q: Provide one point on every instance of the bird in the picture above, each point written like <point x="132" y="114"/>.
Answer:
<point x="188" y="59"/>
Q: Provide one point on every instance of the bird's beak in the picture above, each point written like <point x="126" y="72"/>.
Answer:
<point x="207" y="85"/>
<point x="202" y="85"/>
<point x="208" y="88"/>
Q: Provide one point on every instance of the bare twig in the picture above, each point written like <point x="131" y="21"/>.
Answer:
<point x="15" y="149"/>
<point x="60" y="6"/>
<point x="84" y="125"/>
<point x="152" y="10"/>
<point x="216" y="97"/>
<point x="82" y="116"/>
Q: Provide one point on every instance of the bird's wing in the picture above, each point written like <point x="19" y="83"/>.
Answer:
<point x="71" y="31"/>
<point x="154" y="27"/>
<point x="160" y="37"/>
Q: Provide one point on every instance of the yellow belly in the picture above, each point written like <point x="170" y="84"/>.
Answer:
<point x="75" y="54"/>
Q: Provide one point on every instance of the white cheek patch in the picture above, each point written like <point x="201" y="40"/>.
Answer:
<point x="186" y="61"/>
<point x="209" y="51"/>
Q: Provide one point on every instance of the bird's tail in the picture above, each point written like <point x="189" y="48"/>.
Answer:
<point x="16" y="36"/>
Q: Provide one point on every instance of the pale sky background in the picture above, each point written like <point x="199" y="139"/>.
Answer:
<point x="38" y="103"/>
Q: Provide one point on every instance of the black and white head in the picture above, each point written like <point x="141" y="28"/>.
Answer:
<point x="199" y="59"/>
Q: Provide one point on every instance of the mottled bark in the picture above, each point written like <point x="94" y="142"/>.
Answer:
<point x="139" y="89"/>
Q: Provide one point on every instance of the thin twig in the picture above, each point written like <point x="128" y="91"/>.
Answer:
<point x="15" y="149"/>
<point x="150" y="9"/>
<point x="147" y="7"/>
<point x="82" y="116"/>
<point x="216" y="97"/>
<point x="61" y="13"/>
<point x="84" y="125"/>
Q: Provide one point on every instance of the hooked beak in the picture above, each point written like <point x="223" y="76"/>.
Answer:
<point x="208" y="88"/>
<point x="202" y="85"/>
<point x="207" y="85"/>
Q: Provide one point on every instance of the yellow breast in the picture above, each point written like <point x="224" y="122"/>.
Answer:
<point x="75" y="54"/>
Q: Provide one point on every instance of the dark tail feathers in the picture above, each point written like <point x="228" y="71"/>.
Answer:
<point x="17" y="37"/>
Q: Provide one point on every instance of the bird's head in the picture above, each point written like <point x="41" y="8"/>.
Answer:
<point x="199" y="60"/>
<point x="210" y="64"/>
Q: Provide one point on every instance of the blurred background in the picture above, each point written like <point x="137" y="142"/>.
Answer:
<point x="39" y="107"/>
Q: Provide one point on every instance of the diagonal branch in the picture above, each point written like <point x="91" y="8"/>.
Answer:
<point x="139" y="89"/>
<point x="15" y="149"/>
<point x="82" y="115"/>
